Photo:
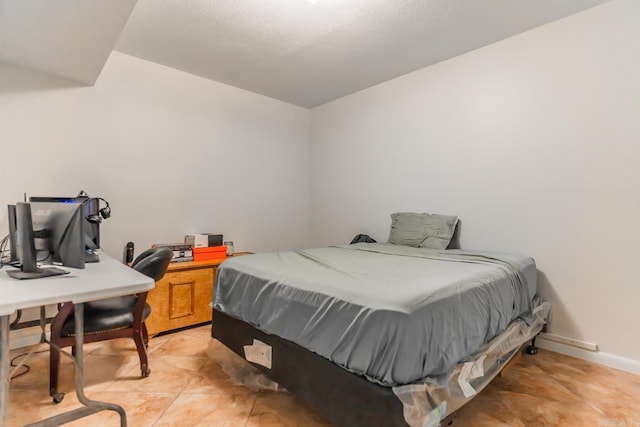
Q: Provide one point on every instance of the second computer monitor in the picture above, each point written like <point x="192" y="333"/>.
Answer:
<point x="90" y="207"/>
<point x="59" y="233"/>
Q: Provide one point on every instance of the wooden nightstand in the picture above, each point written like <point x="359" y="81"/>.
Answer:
<point x="182" y="297"/>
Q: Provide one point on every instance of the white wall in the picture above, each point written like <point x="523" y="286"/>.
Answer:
<point x="533" y="141"/>
<point x="173" y="153"/>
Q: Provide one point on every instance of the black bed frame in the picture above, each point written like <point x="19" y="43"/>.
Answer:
<point x="343" y="398"/>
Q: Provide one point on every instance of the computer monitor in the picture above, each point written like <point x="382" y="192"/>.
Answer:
<point x="59" y="233"/>
<point x="23" y="235"/>
<point x="90" y="208"/>
<point x="24" y="239"/>
<point x="13" y="253"/>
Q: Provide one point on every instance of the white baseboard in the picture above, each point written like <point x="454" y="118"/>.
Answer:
<point x="606" y="359"/>
<point x="569" y="341"/>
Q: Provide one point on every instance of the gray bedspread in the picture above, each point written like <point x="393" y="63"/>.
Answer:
<point x="395" y="314"/>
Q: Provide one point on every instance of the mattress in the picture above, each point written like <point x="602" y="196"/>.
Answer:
<point x="394" y="314"/>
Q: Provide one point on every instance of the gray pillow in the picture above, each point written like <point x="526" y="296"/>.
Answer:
<point x="422" y="229"/>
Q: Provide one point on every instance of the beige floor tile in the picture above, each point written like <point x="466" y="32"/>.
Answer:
<point x="208" y="410"/>
<point x="189" y="386"/>
<point x="217" y="350"/>
<point x="203" y="331"/>
<point x="281" y="409"/>
<point x="29" y="406"/>
<point x="124" y="346"/>
<point x="36" y="376"/>
<point x="551" y="362"/>
<point x="620" y="413"/>
<point x="100" y="371"/>
<point x="212" y="379"/>
<point x="158" y="340"/>
<point x="611" y="394"/>
<point x="169" y="374"/>
<point x="486" y="409"/>
<point x="530" y="379"/>
<point x="186" y="343"/>
<point x="142" y="409"/>
<point x="237" y="370"/>
<point x="541" y="411"/>
<point x="116" y="346"/>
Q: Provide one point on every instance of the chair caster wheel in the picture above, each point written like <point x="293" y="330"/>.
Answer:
<point x="146" y="372"/>
<point x="57" y="397"/>
<point x="532" y="350"/>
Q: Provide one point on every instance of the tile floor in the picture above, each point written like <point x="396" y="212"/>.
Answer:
<point x="187" y="387"/>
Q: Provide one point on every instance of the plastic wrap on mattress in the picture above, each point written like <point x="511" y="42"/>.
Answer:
<point x="425" y="404"/>
<point x="239" y="371"/>
<point x="428" y="404"/>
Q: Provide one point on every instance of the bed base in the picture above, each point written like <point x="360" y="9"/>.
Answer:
<point x="343" y="398"/>
<point x="347" y="399"/>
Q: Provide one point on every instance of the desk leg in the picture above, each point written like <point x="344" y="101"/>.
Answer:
<point x="79" y="318"/>
<point x="4" y="369"/>
<point x="90" y="406"/>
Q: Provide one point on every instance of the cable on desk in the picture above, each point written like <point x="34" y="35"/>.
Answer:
<point x="42" y="255"/>
<point x="4" y="253"/>
<point x="3" y="249"/>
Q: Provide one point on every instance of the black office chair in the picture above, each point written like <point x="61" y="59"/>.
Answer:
<point x="119" y="317"/>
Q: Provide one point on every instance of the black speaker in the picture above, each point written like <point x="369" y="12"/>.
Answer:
<point x="128" y="253"/>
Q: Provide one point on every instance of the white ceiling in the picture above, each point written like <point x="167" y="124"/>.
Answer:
<point x="303" y="53"/>
<point x="68" y="38"/>
<point x="308" y="54"/>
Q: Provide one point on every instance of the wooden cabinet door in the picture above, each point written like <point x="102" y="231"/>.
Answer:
<point x="181" y="298"/>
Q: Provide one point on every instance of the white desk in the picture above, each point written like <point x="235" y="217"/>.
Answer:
<point x="105" y="279"/>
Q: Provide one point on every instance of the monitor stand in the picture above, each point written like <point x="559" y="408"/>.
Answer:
<point x="42" y="272"/>
<point x="91" y="255"/>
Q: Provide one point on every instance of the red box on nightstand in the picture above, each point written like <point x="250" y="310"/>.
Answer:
<point x="212" y="252"/>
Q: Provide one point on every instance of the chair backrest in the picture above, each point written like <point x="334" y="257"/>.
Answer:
<point x="153" y="262"/>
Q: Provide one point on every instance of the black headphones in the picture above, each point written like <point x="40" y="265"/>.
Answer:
<point x="103" y="213"/>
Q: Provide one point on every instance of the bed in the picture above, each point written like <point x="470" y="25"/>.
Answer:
<point x="378" y="333"/>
